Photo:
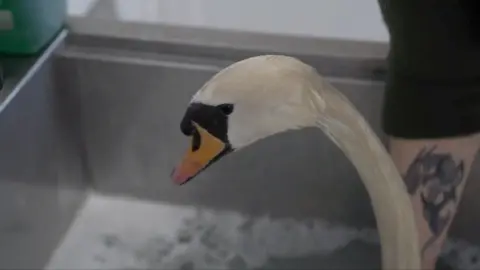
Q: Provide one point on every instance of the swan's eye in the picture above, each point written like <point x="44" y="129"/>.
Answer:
<point x="226" y="108"/>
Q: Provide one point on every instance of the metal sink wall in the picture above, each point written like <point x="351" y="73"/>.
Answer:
<point x="131" y="105"/>
<point x="41" y="167"/>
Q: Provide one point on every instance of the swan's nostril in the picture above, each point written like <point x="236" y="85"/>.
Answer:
<point x="196" y="140"/>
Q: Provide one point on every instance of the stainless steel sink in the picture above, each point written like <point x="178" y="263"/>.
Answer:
<point x="89" y="141"/>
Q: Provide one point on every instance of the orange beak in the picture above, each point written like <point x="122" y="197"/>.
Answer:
<point x="196" y="160"/>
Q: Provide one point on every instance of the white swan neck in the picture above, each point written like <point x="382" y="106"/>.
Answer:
<point x="391" y="204"/>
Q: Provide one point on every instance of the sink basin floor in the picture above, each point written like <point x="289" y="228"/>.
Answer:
<point x="125" y="233"/>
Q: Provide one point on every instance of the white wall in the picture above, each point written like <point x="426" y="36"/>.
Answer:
<point x="349" y="19"/>
<point x="79" y="7"/>
<point x="346" y="19"/>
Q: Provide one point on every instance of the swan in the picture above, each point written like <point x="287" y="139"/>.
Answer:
<point x="264" y="95"/>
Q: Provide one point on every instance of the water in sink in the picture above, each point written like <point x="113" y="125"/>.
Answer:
<point x="120" y="233"/>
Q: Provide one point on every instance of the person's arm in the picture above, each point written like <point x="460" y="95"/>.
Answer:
<point x="435" y="173"/>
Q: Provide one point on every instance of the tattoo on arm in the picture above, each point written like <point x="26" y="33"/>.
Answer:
<point x="436" y="176"/>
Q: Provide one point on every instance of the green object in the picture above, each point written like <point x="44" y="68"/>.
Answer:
<point x="27" y="26"/>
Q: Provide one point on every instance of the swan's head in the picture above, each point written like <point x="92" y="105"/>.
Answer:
<point x="247" y="101"/>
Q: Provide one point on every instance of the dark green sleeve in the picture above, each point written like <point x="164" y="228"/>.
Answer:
<point x="433" y="82"/>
